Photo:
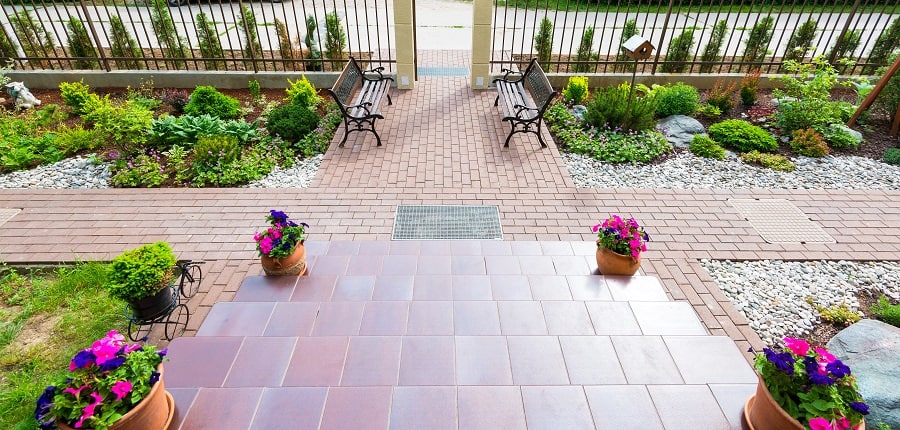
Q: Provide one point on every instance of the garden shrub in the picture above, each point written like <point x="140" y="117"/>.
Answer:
<point x="173" y="45"/>
<point x="677" y="99"/>
<point x="742" y="136"/>
<point x="838" y="136"/>
<point x="252" y="45"/>
<point x="840" y="314"/>
<point x="318" y="140"/>
<point x="81" y="45"/>
<point x="543" y="41"/>
<point x="805" y="96"/>
<point x="623" y="61"/>
<point x="285" y="46"/>
<point x="143" y="171"/>
<point x="74" y="139"/>
<point x="886" y="312"/>
<point x="709" y="111"/>
<point x="704" y="146"/>
<point x="176" y="98"/>
<point x="610" y="108"/>
<point x="889" y="98"/>
<point x="291" y="122"/>
<point x="809" y="142"/>
<point x="303" y="93"/>
<point x="749" y="87"/>
<point x="585" y="52"/>
<point x="123" y="44"/>
<point x="185" y="130"/>
<point x="771" y="161"/>
<point x="712" y="51"/>
<point x="721" y="95"/>
<point x="845" y="45"/>
<point x="210" y="150"/>
<point x="125" y="125"/>
<point x="210" y="45"/>
<point x="801" y="41"/>
<point x="576" y="89"/>
<point x="255" y="92"/>
<point x="892" y="156"/>
<point x="309" y="40"/>
<point x="887" y="43"/>
<point x="252" y="164"/>
<point x="335" y="37"/>
<point x="679" y="51"/>
<point x="77" y="96"/>
<point x="35" y="39"/>
<point x="140" y="272"/>
<point x="7" y="47"/>
<point x="207" y="100"/>
<point x="757" y="43"/>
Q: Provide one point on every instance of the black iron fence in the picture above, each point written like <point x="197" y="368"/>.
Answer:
<point x="221" y="35"/>
<point x="695" y="36"/>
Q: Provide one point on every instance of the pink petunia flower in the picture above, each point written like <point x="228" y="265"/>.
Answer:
<point x="797" y="346"/>
<point x="89" y="409"/>
<point x="819" y="423"/>
<point x="825" y="356"/>
<point x="121" y="389"/>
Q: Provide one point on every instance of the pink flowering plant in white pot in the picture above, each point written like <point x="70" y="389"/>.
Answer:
<point x="104" y="382"/>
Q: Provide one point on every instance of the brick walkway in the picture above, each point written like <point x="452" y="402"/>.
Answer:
<point x="443" y="146"/>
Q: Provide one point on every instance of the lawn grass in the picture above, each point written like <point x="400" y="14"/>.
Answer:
<point x="45" y="318"/>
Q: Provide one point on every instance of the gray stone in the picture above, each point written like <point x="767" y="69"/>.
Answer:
<point x="857" y="136"/>
<point x="578" y="111"/>
<point x="872" y="350"/>
<point x="680" y="129"/>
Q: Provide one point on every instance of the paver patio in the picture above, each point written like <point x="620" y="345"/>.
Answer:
<point x="443" y="145"/>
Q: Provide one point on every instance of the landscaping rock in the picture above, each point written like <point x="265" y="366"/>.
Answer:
<point x="680" y="129"/>
<point x="857" y="136"/>
<point x="578" y="111"/>
<point x="872" y="350"/>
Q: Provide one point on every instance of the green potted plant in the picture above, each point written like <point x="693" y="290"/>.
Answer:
<point x="280" y="246"/>
<point x="140" y="276"/>
<point x="111" y="385"/>
<point x="620" y="243"/>
<point x="804" y="387"/>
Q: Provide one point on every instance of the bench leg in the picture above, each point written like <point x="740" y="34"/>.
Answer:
<point x="540" y="136"/>
<point x="497" y="100"/>
<point x="511" y="133"/>
<point x="346" y="132"/>
<point x="389" y="100"/>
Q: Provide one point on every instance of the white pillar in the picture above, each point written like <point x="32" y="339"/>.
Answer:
<point x="482" y="38"/>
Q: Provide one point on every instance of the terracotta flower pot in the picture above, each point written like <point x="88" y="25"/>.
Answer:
<point x="294" y="264"/>
<point x="154" y="412"/>
<point x="762" y="412"/>
<point x="611" y="263"/>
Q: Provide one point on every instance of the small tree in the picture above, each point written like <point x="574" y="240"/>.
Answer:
<point x="35" y="39"/>
<point x="7" y="47"/>
<point x="335" y="37"/>
<point x="800" y="42"/>
<point x="285" y="46"/>
<point x="124" y="45"/>
<point x="679" y="50"/>
<point x="585" y="51"/>
<point x="309" y="40"/>
<point x="174" y="46"/>
<point x="713" y="50"/>
<point x="623" y="61"/>
<point x="252" y="46"/>
<point x="81" y="45"/>
<point x="888" y="42"/>
<point x="210" y="46"/>
<point x="543" y="41"/>
<point x="757" y="43"/>
<point x="844" y="48"/>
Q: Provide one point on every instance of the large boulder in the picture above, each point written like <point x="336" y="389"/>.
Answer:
<point x="872" y="350"/>
<point x="680" y="129"/>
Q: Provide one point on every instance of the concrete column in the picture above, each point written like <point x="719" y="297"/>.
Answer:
<point x="406" y="49"/>
<point x="482" y="37"/>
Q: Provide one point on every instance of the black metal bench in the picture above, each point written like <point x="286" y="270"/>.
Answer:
<point x="359" y="95"/>
<point x="525" y="96"/>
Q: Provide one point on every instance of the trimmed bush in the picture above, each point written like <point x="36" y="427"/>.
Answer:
<point x="35" y="39"/>
<point x="285" y="46"/>
<point x="757" y="43"/>
<point x="303" y="93"/>
<point x="887" y="43"/>
<point x="7" y="47"/>
<point x="576" y="89"/>
<point x="335" y="37"/>
<point x="801" y="41"/>
<point x="677" y="99"/>
<point x="585" y="52"/>
<point x="77" y="96"/>
<point x="124" y="45"/>
<point x="892" y="156"/>
<point x="543" y="41"/>
<point x="887" y="312"/>
<point x="844" y="47"/>
<point x="140" y="272"/>
<point x="712" y="51"/>
<point x="679" y="51"/>
<point x="610" y="109"/>
<point x="771" y="161"/>
<point x="742" y="136"/>
<point x="749" y="86"/>
<point x="252" y="46"/>
<point x="809" y="142"/>
<point x="207" y="100"/>
<point x="291" y="122"/>
<point x="210" y="46"/>
<point x="313" y="52"/>
<point x="81" y="45"/>
<point x="722" y="95"/>
<point x="173" y="45"/>
<point x="704" y="146"/>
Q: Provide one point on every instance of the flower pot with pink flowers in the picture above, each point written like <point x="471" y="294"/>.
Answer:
<point x="620" y="243"/>
<point x="280" y="246"/>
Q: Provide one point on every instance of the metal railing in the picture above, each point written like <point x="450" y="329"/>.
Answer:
<point x="858" y="23"/>
<point x="366" y="25"/>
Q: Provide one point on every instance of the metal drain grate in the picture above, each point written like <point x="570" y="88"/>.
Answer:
<point x="447" y="222"/>
<point x="7" y="214"/>
<point x="442" y="71"/>
<point x="779" y="221"/>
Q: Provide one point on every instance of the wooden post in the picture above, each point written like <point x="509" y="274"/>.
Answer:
<point x="874" y="94"/>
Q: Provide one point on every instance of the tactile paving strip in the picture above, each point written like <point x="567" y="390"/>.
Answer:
<point x="779" y="221"/>
<point x="7" y="214"/>
<point x="413" y="222"/>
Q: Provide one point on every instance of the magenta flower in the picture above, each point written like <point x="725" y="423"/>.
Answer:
<point x="121" y="389"/>
<point x="797" y="346"/>
<point x="89" y="409"/>
<point x="820" y="424"/>
<point x="825" y="356"/>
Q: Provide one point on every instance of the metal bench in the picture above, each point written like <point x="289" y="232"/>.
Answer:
<point x="525" y="97"/>
<point x="359" y="95"/>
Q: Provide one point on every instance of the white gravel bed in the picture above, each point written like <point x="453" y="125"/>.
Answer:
<point x="71" y="173"/>
<point x="300" y="175"/>
<point x="773" y="294"/>
<point x="687" y="171"/>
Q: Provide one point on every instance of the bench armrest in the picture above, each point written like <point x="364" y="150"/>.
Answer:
<point x="378" y="71"/>
<point x="507" y="73"/>
<point x="522" y="108"/>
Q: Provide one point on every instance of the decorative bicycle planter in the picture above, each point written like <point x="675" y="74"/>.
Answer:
<point x="170" y="307"/>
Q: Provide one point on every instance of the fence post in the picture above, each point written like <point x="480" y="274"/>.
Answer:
<point x="406" y="43"/>
<point x="482" y="36"/>
<point x="662" y="37"/>
<point x="844" y="30"/>
<point x="90" y="24"/>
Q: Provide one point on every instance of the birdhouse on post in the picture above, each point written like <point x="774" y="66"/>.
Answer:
<point x="638" y="48"/>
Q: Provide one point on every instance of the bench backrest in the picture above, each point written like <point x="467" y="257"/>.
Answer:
<point x="349" y="80"/>
<point x="538" y="85"/>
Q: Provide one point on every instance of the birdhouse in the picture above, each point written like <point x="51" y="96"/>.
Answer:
<point x="638" y="48"/>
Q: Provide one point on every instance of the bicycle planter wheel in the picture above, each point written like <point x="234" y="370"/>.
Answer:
<point x="177" y="321"/>
<point x="190" y="281"/>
